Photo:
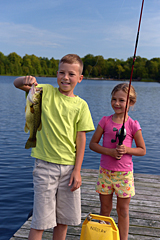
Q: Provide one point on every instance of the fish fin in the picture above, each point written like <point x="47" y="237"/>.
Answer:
<point x="26" y="129"/>
<point x="32" y="109"/>
<point x="40" y="127"/>
<point x="30" y="144"/>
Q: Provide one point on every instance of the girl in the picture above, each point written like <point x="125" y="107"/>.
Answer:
<point x="116" y="166"/>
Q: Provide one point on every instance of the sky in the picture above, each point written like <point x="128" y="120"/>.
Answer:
<point x="54" y="28"/>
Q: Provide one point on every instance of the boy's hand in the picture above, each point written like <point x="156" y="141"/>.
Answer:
<point x="75" y="180"/>
<point x="30" y="80"/>
<point x="25" y="83"/>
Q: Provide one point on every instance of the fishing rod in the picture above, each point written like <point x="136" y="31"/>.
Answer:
<point x="122" y="132"/>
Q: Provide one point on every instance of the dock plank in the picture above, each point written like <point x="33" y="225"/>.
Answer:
<point x="144" y="208"/>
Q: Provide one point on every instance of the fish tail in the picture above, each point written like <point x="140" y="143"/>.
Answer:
<point x="30" y="144"/>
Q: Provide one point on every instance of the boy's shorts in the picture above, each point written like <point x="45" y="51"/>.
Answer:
<point x="120" y="182"/>
<point x="53" y="200"/>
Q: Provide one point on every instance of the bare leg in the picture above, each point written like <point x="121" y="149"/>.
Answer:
<point x="59" y="232"/>
<point x="35" y="234"/>
<point x="106" y="204"/>
<point x="123" y="217"/>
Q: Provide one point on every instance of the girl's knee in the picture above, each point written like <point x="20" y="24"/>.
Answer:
<point x="105" y="211"/>
<point x="106" y="204"/>
<point x="123" y="212"/>
<point x="123" y="207"/>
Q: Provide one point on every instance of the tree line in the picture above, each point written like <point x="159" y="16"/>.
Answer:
<point x="94" y="67"/>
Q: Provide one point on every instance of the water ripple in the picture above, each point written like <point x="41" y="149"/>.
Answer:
<point x="16" y="164"/>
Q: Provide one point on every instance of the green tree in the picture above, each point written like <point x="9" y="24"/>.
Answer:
<point x="35" y="61"/>
<point x="89" y="60"/>
<point x="94" y="66"/>
<point x="27" y="65"/>
<point x="120" y="70"/>
<point x="153" y="68"/>
<point x="54" y="66"/>
<point x="111" y="69"/>
<point x="15" y="62"/>
<point x="100" y="65"/>
<point x="95" y="72"/>
<point x="140" y="70"/>
<point x="44" y="66"/>
<point x="2" y="63"/>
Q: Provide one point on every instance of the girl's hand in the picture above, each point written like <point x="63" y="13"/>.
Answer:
<point x="121" y="149"/>
<point x="114" y="153"/>
<point x="30" y="80"/>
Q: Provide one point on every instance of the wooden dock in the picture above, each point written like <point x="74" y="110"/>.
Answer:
<point x="144" y="208"/>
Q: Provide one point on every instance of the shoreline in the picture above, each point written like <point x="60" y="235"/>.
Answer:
<point x="121" y="80"/>
<point x="96" y="78"/>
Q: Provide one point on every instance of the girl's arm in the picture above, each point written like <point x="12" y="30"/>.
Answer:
<point x="25" y="83"/>
<point x="80" y="148"/>
<point x="96" y="147"/>
<point x="140" y="149"/>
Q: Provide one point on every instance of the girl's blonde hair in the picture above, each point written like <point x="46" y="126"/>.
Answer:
<point x="124" y="87"/>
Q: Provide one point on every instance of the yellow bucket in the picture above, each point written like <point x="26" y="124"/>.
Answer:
<point x="92" y="230"/>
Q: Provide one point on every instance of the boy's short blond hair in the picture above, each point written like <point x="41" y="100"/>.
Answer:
<point x="71" y="59"/>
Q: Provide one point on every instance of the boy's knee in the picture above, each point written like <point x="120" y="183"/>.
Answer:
<point x="35" y="234"/>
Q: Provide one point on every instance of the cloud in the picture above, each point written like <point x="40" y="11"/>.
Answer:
<point x="26" y="34"/>
<point x="150" y="34"/>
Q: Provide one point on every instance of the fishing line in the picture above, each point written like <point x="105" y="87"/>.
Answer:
<point x="122" y="132"/>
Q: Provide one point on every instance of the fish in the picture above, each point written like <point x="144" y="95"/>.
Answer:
<point x="33" y="115"/>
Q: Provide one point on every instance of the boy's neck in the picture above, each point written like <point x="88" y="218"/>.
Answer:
<point x="68" y="94"/>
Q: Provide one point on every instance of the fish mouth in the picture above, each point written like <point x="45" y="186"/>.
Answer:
<point x="31" y="94"/>
<point x="33" y="89"/>
<point x="31" y="99"/>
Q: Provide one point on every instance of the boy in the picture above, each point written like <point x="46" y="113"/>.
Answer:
<point x="59" y="151"/>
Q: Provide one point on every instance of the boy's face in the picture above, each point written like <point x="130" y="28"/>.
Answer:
<point x="68" y="76"/>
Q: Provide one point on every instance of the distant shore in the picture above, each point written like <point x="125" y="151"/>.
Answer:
<point x="113" y="79"/>
<point x="97" y="78"/>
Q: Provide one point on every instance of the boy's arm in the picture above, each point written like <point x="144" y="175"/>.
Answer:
<point x="25" y="83"/>
<point x="80" y="148"/>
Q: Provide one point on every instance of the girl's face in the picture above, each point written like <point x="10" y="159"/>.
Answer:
<point x="118" y="102"/>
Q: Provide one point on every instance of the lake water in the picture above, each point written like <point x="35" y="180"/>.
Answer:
<point x="16" y="165"/>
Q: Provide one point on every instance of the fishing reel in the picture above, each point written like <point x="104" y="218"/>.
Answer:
<point x="121" y="134"/>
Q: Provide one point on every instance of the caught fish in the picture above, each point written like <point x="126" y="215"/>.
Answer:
<point x="33" y="115"/>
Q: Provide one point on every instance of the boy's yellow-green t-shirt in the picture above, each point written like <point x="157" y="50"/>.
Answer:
<point x="62" y="117"/>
